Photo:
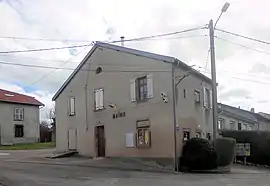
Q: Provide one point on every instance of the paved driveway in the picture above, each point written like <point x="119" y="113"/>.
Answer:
<point x="15" y="172"/>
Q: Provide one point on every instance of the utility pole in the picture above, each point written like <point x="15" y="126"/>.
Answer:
<point x="213" y="70"/>
<point x="214" y="81"/>
<point x="174" y="87"/>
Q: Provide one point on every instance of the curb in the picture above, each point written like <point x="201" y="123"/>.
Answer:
<point x="96" y="166"/>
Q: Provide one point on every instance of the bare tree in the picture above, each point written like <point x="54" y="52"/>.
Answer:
<point x="52" y="117"/>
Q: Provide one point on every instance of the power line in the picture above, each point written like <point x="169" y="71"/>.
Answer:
<point x="61" y="61"/>
<point x="260" y="51"/>
<point x="159" y="35"/>
<point x="41" y="59"/>
<point x="245" y="37"/>
<point x="115" y="71"/>
<point x="117" y="41"/>
<point x="42" y="49"/>
<point x="72" y="69"/>
<point x="44" y="39"/>
<point x="166" y="38"/>
<point x="49" y="73"/>
<point x="248" y="80"/>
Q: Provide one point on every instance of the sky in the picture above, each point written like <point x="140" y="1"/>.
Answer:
<point x="243" y="67"/>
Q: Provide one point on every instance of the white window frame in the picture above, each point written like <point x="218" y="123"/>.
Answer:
<point x="207" y="94"/>
<point x="134" y="88"/>
<point x="197" y="96"/>
<point x="232" y="123"/>
<point x="99" y="99"/>
<point x="221" y="124"/>
<point x="18" y="114"/>
<point x="71" y="106"/>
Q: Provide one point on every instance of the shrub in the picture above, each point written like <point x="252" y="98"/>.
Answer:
<point x="198" y="154"/>
<point x="225" y="149"/>
<point x="259" y="144"/>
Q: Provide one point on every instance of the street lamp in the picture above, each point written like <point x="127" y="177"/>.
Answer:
<point x="213" y="71"/>
<point x="224" y="9"/>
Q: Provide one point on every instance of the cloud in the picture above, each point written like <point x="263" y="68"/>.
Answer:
<point x="260" y="68"/>
<point x="235" y="93"/>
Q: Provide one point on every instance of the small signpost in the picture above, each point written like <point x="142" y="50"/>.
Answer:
<point x="243" y="149"/>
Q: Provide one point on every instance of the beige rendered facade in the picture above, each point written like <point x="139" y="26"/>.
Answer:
<point x="131" y="128"/>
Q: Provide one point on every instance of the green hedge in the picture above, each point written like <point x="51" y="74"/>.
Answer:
<point x="259" y="144"/>
<point x="225" y="149"/>
<point x="198" y="154"/>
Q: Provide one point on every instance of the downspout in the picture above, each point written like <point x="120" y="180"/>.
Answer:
<point x="86" y="99"/>
<point x="175" y="162"/>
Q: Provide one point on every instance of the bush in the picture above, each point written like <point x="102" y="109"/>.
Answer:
<point x="198" y="154"/>
<point x="259" y="144"/>
<point x="225" y="149"/>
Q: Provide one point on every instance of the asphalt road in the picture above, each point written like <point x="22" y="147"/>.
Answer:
<point x="16" y="173"/>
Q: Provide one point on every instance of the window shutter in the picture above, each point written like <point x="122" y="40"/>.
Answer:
<point x="21" y="113"/>
<point x="72" y="106"/>
<point x="210" y="99"/>
<point x="204" y="97"/>
<point x="150" y="88"/>
<point x="16" y="113"/>
<point x="101" y="98"/>
<point x="133" y="90"/>
<point x="97" y="99"/>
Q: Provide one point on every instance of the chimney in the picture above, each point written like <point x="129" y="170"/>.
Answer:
<point x="252" y="110"/>
<point x="122" y="40"/>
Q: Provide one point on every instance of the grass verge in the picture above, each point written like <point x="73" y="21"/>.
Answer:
<point x="29" y="146"/>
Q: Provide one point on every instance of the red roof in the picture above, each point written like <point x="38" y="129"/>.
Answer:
<point x="13" y="97"/>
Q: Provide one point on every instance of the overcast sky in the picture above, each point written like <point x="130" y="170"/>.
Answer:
<point x="243" y="74"/>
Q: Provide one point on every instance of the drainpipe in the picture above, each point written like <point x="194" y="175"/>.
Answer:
<point x="175" y="162"/>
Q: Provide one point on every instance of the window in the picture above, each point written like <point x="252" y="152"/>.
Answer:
<point x="239" y="126"/>
<point x="18" y="114"/>
<point x="197" y="96"/>
<point x="19" y="132"/>
<point x="184" y="93"/>
<point x="141" y="88"/>
<point x="71" y="106"/>
<point x="186" y="136"/>
<point x="207" y="98"/>
<point x="232" y="125"/>
<point x="143" y="134"/>
<point x="221" y="123"/>
<point x="245" y="127"/>
<point x="249" y="128"/>
<point x="99" y="99"/>
<point x="198" y="134"/>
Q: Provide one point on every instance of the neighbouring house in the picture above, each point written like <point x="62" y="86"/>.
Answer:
<point x="233" y="118"/>
<point x="119" y="103"/>
<point x="19" y="118"/>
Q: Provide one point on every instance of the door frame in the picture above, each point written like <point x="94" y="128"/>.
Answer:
<point x="96" y="140"/>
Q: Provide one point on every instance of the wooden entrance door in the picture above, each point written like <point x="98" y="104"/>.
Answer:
<point x="100" y="141"/>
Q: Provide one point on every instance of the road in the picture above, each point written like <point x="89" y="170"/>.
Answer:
<point x="17" y="173"/>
